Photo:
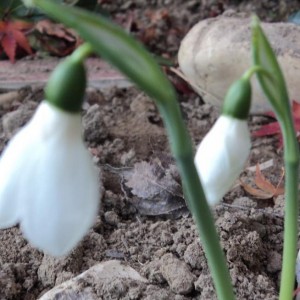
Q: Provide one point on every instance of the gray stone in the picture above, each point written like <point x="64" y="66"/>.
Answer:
<point x="177" y="273"/>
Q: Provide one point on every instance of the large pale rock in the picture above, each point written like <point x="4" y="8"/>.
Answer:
<point x="217" y="51"/>
<point x="107" y="280"/>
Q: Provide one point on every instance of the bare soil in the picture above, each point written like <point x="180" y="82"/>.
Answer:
<point x="140" y="223"/>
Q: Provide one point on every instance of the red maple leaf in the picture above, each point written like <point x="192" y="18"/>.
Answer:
<point x="12" y="36"/>
<point x="273" y="128"/>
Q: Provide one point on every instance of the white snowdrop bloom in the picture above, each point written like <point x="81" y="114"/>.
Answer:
<point x="222" y="155"/>
<point x="48" y="182"/>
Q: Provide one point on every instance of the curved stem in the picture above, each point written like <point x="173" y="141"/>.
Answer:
<point x="291" y="157"/>
<point x="276" y="91"/>
<point x="183" y="152"/>
<point x="256" y="69"/>
<point x="82" y="52"/>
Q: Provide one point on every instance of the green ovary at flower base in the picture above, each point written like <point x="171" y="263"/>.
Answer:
<point x="48" y="182"/>
<point x="223" y="152"/>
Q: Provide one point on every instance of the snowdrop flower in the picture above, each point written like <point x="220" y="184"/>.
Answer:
<point x="223" y="152"/>
<point x="48" y="182"/>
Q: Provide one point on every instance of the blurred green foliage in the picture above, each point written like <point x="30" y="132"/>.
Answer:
<point x="16" y="9"/>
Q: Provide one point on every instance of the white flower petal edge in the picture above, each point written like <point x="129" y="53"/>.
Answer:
<point x="12" y="164"/>
<point x="221" y="156"/>
<point x="52" y="188"/>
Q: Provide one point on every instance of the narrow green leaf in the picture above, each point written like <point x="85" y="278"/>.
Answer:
<point x="263" y="55"/>
<point x="116" y="46"/>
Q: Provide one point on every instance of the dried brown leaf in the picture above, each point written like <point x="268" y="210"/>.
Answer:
<point x="255" y="192"/>
<point x="56" y="38"/>
<point x="54" y="29"/>
<point x="263" y="183"/>
<point x="155" y="189"/>
<point x="149" y="180"/>
<point x="266" y="189"/>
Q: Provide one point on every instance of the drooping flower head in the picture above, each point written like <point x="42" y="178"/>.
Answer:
<point x="223" y="152"/>
<point x="48" y="182"/>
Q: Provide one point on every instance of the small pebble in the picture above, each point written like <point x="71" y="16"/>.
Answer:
<point x="177" y="273"/>
<point x="111" y="218"/>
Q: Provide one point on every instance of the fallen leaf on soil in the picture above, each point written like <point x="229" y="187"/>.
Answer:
<point x="149" y="31"/>
<point x="155" y="188"/>
<point x="183" y="84"/>
<point x="266" y="189"/>
<point x="56" y="38"/>
<point x="12" y="36"/>
<point x="273" y="128"/>
<point x="265" y="165"/>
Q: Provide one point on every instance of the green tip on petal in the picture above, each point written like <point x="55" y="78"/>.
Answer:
<point x="238" y="100"/>
<point x="66" y="86"/>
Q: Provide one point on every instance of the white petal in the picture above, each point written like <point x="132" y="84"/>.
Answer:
<point x="52" y="186"/>
<point x="13" y="163"/>
<point x="65" y="203"/>
<point x="64" y="196"/>
<point x="15" y="167"/>
<point x="221" y="156"/>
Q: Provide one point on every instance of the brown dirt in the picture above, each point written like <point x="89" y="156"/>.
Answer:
<point x="155" y="235"/>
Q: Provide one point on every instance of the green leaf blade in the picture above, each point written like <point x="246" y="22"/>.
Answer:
<point x="274" y="85"/>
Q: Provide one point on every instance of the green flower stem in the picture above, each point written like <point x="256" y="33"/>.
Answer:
<point x="183" y="152"/>
<point x="291" y="158"/>
<point x="256" y="69"/>
<point x="275" y="89"/>
<point x="82" y="52"/>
